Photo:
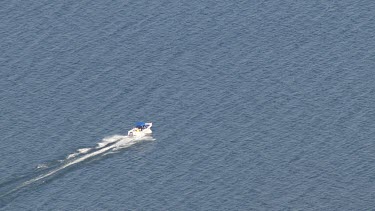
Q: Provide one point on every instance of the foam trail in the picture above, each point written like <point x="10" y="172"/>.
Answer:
<point x="68" y="164"/>
<point x="109" y="140"/>
<point x="118" y="143"/>
<point x="42" y="166"/>
<point x="78" y="160"/>
<point x="80" y="151"/>
<point x="84" y="150"/>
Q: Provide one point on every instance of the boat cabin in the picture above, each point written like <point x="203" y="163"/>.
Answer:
<point x="140" y="125"/>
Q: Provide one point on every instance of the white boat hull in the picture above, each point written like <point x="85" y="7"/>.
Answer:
<point x="137" y="132"/>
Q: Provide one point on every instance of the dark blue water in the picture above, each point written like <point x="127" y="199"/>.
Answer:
<point x="256" y="105"/>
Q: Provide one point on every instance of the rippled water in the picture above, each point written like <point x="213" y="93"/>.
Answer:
<point x="256" y="105"/>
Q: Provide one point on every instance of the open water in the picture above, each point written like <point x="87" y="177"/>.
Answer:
<point x="256" y="105"/>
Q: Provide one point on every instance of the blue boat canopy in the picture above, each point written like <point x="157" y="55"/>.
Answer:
<point x="140" y="124"/>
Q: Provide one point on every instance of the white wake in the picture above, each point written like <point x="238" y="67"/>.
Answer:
<point x="110" y="143"/>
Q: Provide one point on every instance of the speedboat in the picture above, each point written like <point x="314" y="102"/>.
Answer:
<point x="141" y="129"/>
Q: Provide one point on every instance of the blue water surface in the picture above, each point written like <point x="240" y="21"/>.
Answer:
<point x="256" y="105"/>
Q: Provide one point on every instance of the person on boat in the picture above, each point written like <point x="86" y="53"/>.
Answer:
<point x="140" y="125"/>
